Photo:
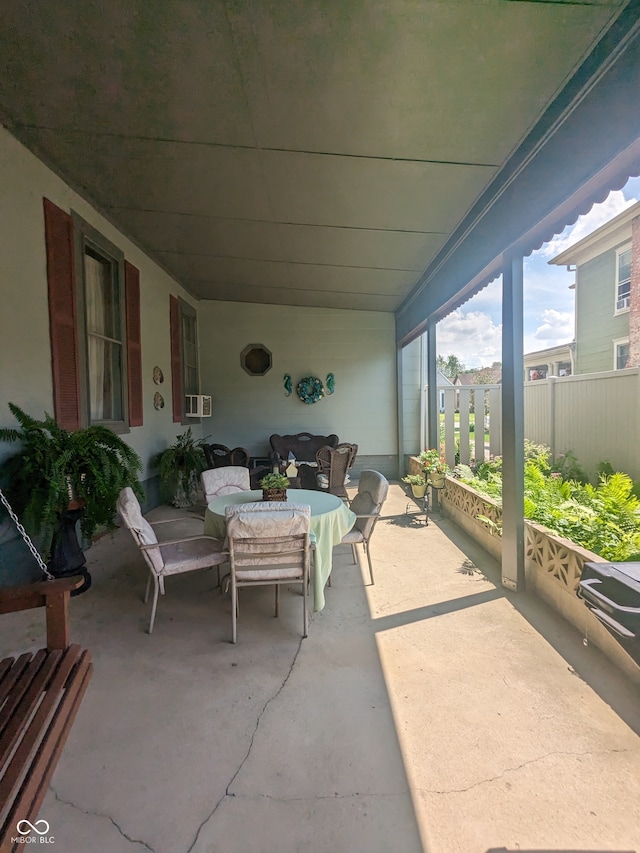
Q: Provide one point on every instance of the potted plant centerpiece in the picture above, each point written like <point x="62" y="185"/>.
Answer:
<point x="274" y="487"/>
<point x="418" y="484"/>
<point x="180" y="466"/>
<point x="58" y="478"/>
<point x="434" y="467"/>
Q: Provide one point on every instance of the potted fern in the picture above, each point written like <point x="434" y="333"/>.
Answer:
<point x="59" y="477"/>
<point x="180" y="466"/>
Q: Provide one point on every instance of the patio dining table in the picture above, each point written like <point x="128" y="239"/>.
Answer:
<point x="331" y="518"/>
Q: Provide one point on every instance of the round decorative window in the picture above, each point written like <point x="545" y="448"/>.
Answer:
<point x="256" y="359"/>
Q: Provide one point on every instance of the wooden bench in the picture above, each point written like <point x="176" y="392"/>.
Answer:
<point x="39" y="696"/>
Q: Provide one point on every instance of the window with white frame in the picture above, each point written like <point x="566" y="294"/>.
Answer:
<point x="189" y="340"/>
<point x="102" y="327"/>
<point x="623" y="279"/>
<point x="620" y="353"/>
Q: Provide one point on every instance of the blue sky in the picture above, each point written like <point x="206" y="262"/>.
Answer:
<point x="473" y="332"/>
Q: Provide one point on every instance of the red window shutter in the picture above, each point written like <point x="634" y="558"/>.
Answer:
<point x="176" y="360"/>
<point x="58" y="229"/>
<point x="134" y="343"/>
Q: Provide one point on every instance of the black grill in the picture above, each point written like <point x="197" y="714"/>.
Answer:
<point x="612" y="592"/>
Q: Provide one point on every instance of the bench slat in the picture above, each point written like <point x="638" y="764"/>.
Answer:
<point x="20" y="686"/>
<point x="28" y="800"/>
<point x="19" y="707"/>
<point x="17" y="667"/>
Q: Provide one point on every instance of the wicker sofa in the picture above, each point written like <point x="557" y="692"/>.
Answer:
<point x="304" y="447"/>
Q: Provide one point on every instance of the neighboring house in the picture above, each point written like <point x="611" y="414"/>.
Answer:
<point x="607" y="267"/>
<point x="442" y="380"/>
<point x="553" y="361"/>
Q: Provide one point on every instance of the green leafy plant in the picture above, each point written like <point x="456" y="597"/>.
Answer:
<point x="432" y="462"/>
<point x="54" y="467"/>
<point x="180" y="465"/>
<point x="274" y="481"/>
<point x="415" y="480"/>
<point x="605" y="517"/>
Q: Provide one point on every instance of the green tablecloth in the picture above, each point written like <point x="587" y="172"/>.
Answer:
<point x="330" y="520"/>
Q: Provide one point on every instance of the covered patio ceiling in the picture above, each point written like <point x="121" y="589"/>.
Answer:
<point x="313" y="154"/>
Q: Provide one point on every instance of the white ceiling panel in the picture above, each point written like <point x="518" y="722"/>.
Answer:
<point x="457" y="81"/>
<point x="296" y="153"/>
<point x="287" y="296"/>
<point x="204" y="235"/>
<point x="162" y="176"/>
<point x="364" y="193"/>
<point x="400" y="250"/>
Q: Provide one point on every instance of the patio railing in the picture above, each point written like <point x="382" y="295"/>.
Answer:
<point x="470" y="422"/>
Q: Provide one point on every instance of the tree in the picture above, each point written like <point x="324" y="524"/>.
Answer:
<point x="450" y="366"/>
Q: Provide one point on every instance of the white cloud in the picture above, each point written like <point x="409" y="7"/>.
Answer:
<point x="556" y="328"/>
<point x="472" y="336"/>
<point x="614" y="204"/>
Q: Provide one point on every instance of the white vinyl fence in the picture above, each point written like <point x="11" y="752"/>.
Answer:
<point x="470" y="426"/>
<point x="596" y="416"/>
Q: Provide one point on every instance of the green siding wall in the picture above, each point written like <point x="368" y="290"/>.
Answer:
<point x="596" y="324"/>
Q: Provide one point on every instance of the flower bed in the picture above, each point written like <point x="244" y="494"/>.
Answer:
<point x="553" y="565"/>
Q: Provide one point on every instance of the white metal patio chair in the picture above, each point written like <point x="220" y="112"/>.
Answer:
<point x="268" y="544"/>
<point x="170" y="557"/>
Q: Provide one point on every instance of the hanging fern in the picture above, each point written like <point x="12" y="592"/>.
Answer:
<point x="54" y="465"/>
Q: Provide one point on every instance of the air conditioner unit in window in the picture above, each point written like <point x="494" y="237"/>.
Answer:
<point x="198" y="406"/>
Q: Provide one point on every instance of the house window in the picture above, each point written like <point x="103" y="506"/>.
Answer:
<point x="101" y="327"/>
<point x="189" y="336"/>
<point x="621" y="354"/>
<point x="623" y="279"/>
<point x="539" y="372"/>
<point x="94" y="325"/>
<point x="105" y="344"/>
<point x="185" y="374"/>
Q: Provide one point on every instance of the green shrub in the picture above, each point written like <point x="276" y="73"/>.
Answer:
<point x="604" y="518"/>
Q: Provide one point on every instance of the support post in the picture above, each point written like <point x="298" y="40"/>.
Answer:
<point x="433" y="398"/>
<point x="400" y="409"/>
<point x="433" y="409"/>
<point x="512" y="424"/>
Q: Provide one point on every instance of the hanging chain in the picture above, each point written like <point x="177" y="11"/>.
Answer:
<point x="26" y="538"/>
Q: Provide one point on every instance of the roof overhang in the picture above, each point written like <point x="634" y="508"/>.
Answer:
<point x="353" y="155"/>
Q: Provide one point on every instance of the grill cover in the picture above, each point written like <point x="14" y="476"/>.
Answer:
<point x="612" y="592"/>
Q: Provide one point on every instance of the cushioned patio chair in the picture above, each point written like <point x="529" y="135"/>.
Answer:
<point x="268" y="544"/>
<point x="372" y="493"/>
<point x="224" y="481"/>
<point x="170" y="557"/>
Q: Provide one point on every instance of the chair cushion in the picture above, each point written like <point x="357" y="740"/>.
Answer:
<point x="193" y="554"/>
<point x="353" y="536"/>
<point x="225" y="481"/>
<point x="130" y="512"/>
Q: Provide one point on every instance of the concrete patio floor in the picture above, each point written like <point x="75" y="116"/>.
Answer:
<point x="431" y="712"/>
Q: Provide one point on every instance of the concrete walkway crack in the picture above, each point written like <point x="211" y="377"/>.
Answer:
<point x="227" y="793"/>
<point x="515" y="769"/>
<point x="316" y="797"/>
<point x="101" y="814"/>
